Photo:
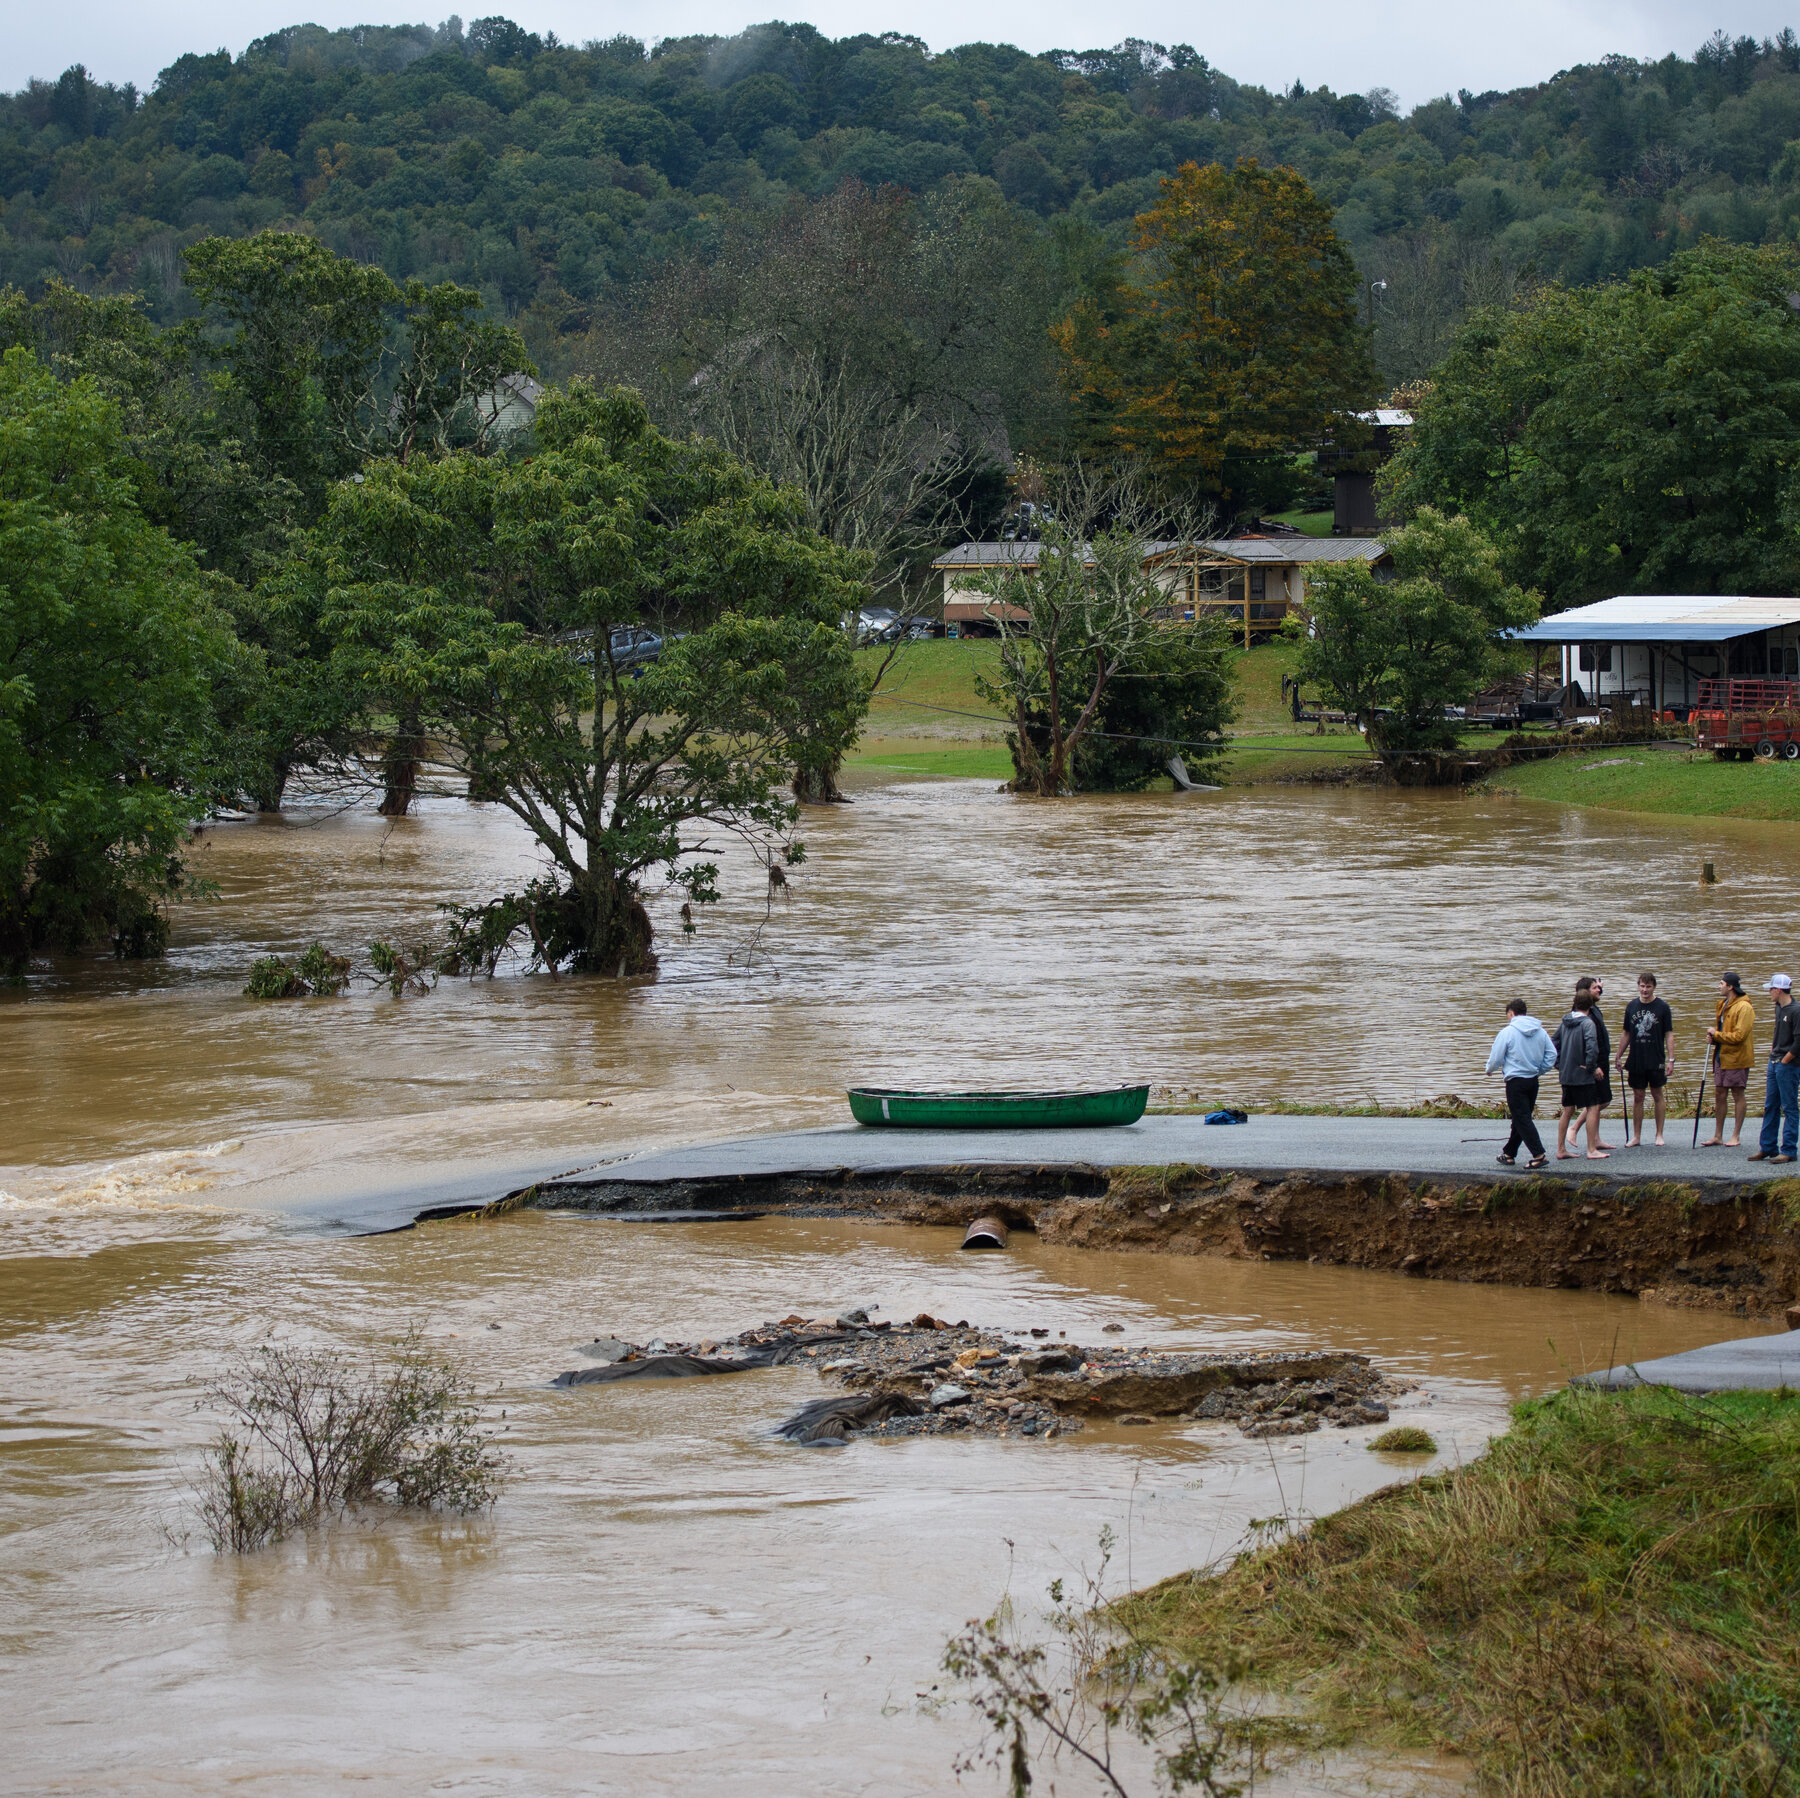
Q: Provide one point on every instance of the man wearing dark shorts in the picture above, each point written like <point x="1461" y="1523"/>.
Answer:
<point x="1578" y="1065"/>
<point x="1647" y="1058"/>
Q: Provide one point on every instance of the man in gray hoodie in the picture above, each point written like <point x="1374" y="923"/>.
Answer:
<point x="1524" y="1053"/>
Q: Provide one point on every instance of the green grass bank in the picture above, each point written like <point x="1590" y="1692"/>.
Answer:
<point x="1607" y="1602"/>
<point x="926" y="718"/>
<point x="1672" y="782"/>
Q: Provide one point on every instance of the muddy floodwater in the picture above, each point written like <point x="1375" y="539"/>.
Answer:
<point x="667" y="1600"/>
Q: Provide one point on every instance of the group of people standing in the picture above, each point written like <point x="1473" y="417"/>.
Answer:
<point x="1580" y="1050"/>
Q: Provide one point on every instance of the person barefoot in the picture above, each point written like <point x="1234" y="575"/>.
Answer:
<point x="1578" y="1065"/>
<point x="1602" y="1080"/>
<point x="1647" y="1058"/>
<point x="1731" y="1033"/>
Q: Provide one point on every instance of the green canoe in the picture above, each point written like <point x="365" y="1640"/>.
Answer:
<point x="997" y="1110"/>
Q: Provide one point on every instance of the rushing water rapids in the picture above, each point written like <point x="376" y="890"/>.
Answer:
<point x="668" y="1600"/>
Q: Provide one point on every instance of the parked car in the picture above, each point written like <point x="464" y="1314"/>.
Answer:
<point x="918" y="626"/>
<point x="633" y="647"/>
<point x="874" y="624"/>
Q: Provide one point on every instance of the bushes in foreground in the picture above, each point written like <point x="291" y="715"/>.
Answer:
<point x="310" y="1433"/>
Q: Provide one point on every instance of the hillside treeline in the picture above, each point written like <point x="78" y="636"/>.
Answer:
<point x="552" y="178"/>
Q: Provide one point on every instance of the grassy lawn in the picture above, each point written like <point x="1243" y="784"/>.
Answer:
<point x="1283" y="755"/>
<point x="1605" y="1603"/>
<point x="927" y="718"/>
<point x="955" y="761"/>
<point x="1670" y="781"/>
<point x="929" y="689"/>
<point x="1314" y="524"/>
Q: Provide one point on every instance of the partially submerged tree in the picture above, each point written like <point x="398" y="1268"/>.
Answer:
<point x="1175" y="700"/>
<point x="1094" y="604"/>
<point x="1397" y="651"/>
<point x="328" y="365"/>
<point x="482" y="598"/>
<point x="112" y="653"/>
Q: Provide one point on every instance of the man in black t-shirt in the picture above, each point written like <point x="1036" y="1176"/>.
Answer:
<point x="1647" y="1057"/>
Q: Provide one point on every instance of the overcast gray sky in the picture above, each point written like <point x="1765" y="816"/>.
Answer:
<point x="1417" y="47"/>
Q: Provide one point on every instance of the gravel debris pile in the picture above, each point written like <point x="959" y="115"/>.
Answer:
<point x="930" y="1377"/>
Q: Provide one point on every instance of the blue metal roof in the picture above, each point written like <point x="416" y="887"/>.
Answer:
<point x="1664" y="618"/>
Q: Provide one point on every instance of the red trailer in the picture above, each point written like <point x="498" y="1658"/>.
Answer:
<point x="1738" y="719"/>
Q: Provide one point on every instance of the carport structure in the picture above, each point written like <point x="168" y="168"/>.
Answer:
<point x="1655" y="649"/>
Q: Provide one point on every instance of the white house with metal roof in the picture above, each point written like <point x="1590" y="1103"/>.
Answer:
<point x="1250" y="580"/>
<point x="1655" y="649"/>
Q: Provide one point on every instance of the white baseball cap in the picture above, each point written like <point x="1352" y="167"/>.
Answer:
<point x="1783" y="981"/>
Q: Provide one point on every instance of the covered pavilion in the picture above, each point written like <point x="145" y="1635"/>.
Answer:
<point x="1655" y="649"/>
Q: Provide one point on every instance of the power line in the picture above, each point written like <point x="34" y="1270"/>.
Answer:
<point x="1244" y="746"/>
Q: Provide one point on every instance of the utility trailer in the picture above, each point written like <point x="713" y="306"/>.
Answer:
<point x="1739" y="719"/>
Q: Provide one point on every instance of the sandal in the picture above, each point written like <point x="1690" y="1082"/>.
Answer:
<point x="1504" y="1160"/>
<point x="1541" y="1161"/>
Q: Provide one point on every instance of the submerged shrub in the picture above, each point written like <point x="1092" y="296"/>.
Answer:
<point x="318" y="974"/>
<point x="312" y="1432"/>
<point x="1407" y="1440"/>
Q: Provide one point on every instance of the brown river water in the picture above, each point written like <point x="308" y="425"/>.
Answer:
<point x="667" y="1600"/>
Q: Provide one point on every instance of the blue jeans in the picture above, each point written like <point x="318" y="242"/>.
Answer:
<point x="1781" y="1107"/>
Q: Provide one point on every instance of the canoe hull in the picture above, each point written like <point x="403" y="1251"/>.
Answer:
<point x="997" y="1110"/>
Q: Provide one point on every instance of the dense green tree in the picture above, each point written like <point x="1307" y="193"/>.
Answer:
<point x="303" y="355"/>
<point x="1642" y="436"/>
<point x="545" y="175"/>
<point x="1176" y="700"/>
<point x="328" y="361"/>
<point x="1395" y="651"/>
<point x="481" y="597"/>
<point x="191" y="473"/>
<point x="328" y="364"/>
<point x="1091" y="642"/>
<point x="1232" y="340"/>
<point x="112" y="660"/>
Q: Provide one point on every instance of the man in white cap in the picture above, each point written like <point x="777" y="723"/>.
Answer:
<point x="1781" y="1091"/>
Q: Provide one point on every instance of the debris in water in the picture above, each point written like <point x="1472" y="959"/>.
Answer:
<point x="933" y="1378"/>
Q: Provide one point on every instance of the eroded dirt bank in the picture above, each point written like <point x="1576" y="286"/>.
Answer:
<point x="1713" y="1246"/>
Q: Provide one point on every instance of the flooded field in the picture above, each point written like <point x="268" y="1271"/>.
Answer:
<point x="1253" y="944"/>
<point x="667" y="1600"/>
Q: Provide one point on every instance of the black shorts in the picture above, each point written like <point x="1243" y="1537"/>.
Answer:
<point x="1642" y="1079"/>
<point x="1579" y="1098"/>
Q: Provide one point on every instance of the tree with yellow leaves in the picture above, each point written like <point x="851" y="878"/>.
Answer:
<point x="1230" y="342"/>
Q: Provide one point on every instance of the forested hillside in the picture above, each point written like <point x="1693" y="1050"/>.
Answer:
<point x="548" y="176"/>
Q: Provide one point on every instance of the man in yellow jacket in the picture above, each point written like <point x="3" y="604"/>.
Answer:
<point x="1730" y="1036"/>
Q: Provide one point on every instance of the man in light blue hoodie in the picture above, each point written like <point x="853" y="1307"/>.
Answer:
<point x="1524" y="1053"/>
